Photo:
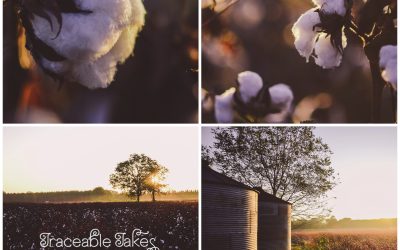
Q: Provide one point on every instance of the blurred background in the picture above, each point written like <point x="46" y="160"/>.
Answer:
<point x="256" y="35"/>
<point x="157" y="85"/>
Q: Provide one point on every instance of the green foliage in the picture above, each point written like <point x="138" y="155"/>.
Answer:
<point x="136" y="176"/>
<point x="291" y="163"/>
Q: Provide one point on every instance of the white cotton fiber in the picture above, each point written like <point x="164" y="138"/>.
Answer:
<point x="332" y="6"/>
<point x="388" y="63"/>
<point x="328" y="56"/>
<point x="224" y="106"/>
<point x="281" y="96"/>
<point x="250" y="84"/>
<point x="304" y="33"/>
<point x="281" y="99"/>
<point x="94" y="43"/>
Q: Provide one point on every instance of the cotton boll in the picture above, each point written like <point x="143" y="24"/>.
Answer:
<point x="223" y="106"/>
<point x="250" y="84"/>
<point x="281" y="97"/>
<point x="327" y="56"/>
<point x="388" y="62"/>
<point x="304" y="33"/>
<point x="93" y="43"/>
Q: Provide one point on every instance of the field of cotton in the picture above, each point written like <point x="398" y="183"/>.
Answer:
<point x="172" y="224"/>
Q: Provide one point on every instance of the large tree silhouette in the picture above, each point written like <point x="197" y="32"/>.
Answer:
<point x="154" y="184"/>
<point x="291" y="163"/>
<point x="137" y="175"/>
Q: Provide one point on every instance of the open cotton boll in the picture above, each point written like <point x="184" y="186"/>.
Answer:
<point x="388" y="63"/>
<point x="281" y="96"/>
<point x="92" y="43"/>
<point x="327" y="56"/>
<point x="304" y="33"/>
<point x="281" y="99"/>
<point x="250" y="84"/>
<point x="223" y="106"/>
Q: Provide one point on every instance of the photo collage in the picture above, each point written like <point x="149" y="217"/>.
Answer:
<point x="199" y="124"/>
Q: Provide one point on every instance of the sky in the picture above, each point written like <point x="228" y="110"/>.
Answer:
<point x="41" y="159"/>
<point x="365" y="158"/>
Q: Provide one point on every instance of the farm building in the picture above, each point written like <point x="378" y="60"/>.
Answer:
<point x="229" y="213"/>
<point x="236" y="216"/>
<point x="273" y="222"/>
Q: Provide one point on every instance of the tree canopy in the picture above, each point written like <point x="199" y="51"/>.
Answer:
<point x="137" y="175"/>
<point x="291" y="163"/>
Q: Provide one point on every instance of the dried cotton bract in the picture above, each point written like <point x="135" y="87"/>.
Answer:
<point x="93" y="43"/>
<point x="319" y="32"/>
<point x="388" y="63"/>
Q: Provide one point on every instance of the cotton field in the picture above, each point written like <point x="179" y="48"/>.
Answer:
<point x="172" y="224"/>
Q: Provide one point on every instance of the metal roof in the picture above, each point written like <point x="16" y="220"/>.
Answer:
<point x="264" y="196"/>
<point x="208" y="175"/>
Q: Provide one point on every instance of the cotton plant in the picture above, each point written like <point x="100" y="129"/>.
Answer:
<point x="321" y="34"/>
<point x="81" y="40"/>
<point x="251" y="101"/>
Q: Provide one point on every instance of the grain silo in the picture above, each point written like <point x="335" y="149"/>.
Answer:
<point x="229" y="213"/>
<point x="274" y="222"/>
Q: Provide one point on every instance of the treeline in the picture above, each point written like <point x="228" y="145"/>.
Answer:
<point x="333" y="223"/>
<point x="98" y="194"/>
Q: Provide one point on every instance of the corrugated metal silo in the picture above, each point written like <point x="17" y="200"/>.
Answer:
<point x="274" y="222"/>
<point x="229" y="213"/>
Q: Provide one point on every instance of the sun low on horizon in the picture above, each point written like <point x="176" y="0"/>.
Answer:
<point x="49" y="159"/>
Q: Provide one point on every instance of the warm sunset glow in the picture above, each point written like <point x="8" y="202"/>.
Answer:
<point x="365" y="158"/>
<point x="41" y="159"/>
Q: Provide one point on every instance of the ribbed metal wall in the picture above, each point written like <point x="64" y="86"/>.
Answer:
<point x="274" y="226"/>
<point x="229" y="217"/>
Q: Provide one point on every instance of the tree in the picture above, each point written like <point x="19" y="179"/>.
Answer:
<point x="132" y="176"/>
<point x="154" y="181"/>
<point x="291" y="163"/>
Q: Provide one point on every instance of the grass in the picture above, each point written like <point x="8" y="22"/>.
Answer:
<point x="345" y="239"/>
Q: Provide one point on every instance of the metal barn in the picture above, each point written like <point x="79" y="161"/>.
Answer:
<point x="229" y="213"/>
<point x="274" y="222"/>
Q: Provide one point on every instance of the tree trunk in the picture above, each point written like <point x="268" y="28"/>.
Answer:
<point x="137" y="198"/>
<point x="154" y="196"/>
